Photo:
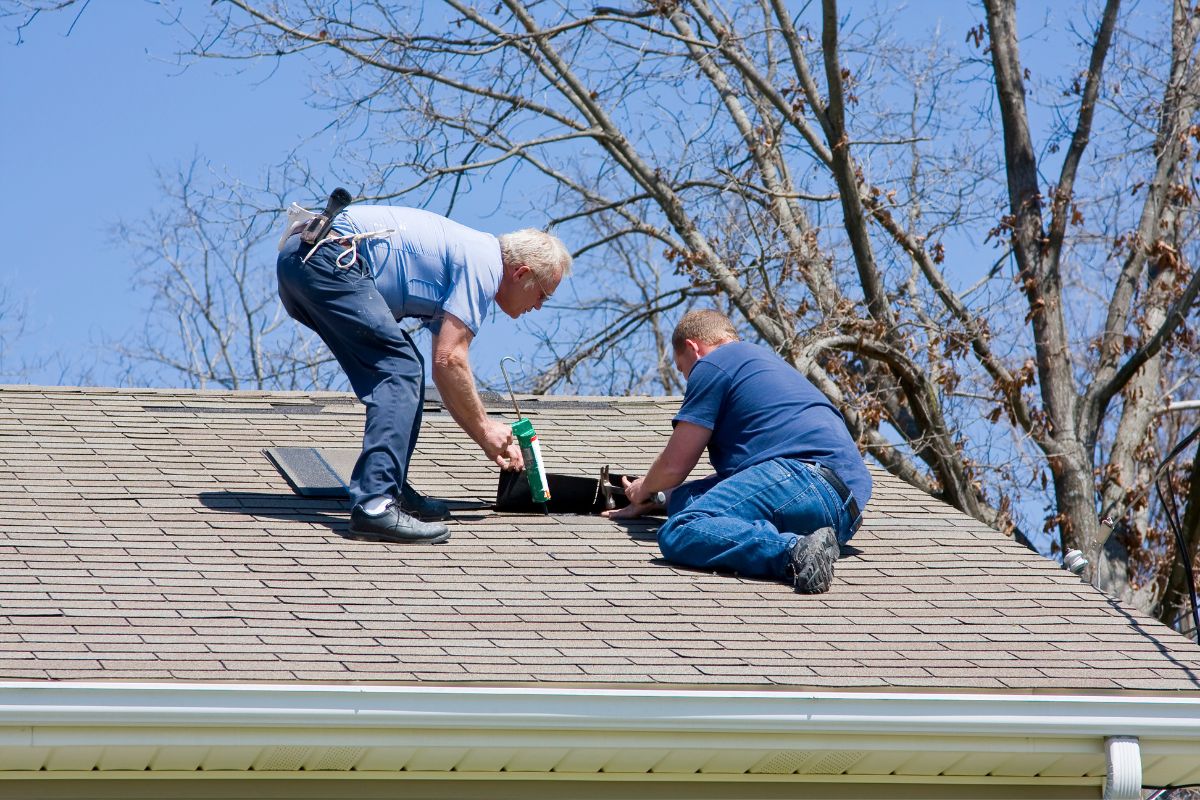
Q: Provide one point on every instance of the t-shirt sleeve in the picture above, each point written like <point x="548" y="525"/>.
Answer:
<point x="469" y="299"/>
<point x="475" y="272"/>
<point x="706" y="389"/>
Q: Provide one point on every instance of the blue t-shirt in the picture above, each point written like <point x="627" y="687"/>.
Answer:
<point x="429" y="265"/>
<point x="759" y="407"/>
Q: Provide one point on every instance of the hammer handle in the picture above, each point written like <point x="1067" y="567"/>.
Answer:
<point x="319" y="226"/>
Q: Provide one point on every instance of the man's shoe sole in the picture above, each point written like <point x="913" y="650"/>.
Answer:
<point x="819" y="551"/>
<point x="376" y="536"/>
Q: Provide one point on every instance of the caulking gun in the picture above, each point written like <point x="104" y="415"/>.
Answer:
<point x="531" y="448"/>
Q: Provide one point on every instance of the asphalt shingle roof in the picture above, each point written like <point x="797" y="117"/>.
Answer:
<point x="144" y="535"/>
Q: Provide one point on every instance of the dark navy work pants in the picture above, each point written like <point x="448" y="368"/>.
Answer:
<point x="377" y="354"/>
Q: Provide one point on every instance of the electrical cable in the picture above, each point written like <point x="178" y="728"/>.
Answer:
<point x="1184" y="556"/>
<point x="1169" y="787"/>
<point x="1171" y="512"/>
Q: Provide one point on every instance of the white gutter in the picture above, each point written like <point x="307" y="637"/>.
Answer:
<point x="238" y="706"/>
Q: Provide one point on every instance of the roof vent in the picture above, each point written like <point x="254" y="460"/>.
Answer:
<point x="314" y="472"/>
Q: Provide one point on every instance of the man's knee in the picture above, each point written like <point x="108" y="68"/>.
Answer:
<point x="669" y="536"/>
<point x="674" y="534"/>
<point x="388" y="386"/>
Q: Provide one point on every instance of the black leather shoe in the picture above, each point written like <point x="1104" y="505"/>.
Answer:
<point x="813" y="557"/>
<point x="393" y="525"/>
<point x="423" y="508"/>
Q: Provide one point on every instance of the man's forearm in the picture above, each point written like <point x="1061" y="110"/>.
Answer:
<point x="456" y="384"/>
<point x="664" y="475"/>
<point x="673" y="464"/>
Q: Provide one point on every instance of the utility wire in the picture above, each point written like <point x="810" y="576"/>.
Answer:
<point x="1160" y="791"/>
<point x="1171" y="512"/>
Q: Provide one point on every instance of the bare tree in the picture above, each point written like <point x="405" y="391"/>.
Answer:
<point x="13" y="325"/>
<point x="1151" y="296"/>
<point x="20" y="14"/>
<point x="21" y="360"/>
<point x="215" y="317"/>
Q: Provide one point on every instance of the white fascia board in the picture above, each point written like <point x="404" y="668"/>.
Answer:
<point x="38" y="704"/>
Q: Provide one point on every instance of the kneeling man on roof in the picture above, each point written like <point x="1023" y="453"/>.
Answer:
<point x="790" y="483"/>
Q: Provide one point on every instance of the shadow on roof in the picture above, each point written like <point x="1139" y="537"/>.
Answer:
<point x="330" y="512"/>
<point x="642" y="530"/>
<point x="1151" y="635"/>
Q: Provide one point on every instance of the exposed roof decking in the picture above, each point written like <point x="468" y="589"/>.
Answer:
<point x="161" y="544"/>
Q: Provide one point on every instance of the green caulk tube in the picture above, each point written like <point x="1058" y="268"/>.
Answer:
<point x="531" y="449"/>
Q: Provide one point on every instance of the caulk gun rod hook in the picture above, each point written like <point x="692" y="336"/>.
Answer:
<point x="511" y="396"/>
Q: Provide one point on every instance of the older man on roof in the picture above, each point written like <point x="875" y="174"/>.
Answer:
<point x="381" y="264"/>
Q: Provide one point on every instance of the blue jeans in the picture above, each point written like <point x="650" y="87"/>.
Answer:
<point x="379" y="357"/>
<point x="748" y="522"/>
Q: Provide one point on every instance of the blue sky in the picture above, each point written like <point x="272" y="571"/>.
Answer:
<point x="100" y="108"/>
<point x="90" y="119"/>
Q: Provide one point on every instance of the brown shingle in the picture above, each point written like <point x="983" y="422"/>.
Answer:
<point x="147" y="537"/>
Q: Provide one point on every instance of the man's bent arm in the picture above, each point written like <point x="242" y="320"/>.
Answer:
<point x="453" y="377"/>
<point x="673" y="464"/>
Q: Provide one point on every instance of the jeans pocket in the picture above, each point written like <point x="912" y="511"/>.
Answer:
<point x="323" y="265"/>
<point x="833" y="506"/>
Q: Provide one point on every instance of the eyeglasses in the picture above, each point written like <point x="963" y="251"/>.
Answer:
<point x="545" y="295"/>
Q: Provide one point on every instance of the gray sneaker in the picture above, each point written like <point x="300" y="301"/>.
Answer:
<point x="422" y="507"/>
<point x="813" y="557"/>
<point x="393" y="525"/>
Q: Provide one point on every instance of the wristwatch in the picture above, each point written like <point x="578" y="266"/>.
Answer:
<point x="660" y="498"/>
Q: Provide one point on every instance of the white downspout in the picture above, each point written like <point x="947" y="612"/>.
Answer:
<point x="1124" y="781"/>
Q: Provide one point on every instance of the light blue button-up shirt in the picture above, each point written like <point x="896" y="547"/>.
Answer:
<point x="429" y="265"/>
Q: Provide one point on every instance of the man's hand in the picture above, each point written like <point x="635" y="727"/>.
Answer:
<point x="500" y="447"/>
<point x="630" y="511"/>
<point x="634" y="491"/>
<point x="640" y="502"/>
<point x="672" y="466"/>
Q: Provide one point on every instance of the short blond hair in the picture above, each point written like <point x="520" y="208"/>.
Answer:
<point x="705" y="326"/>
<point x="544" y="253"/>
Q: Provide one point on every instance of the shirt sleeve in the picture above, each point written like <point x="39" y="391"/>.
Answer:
<point x="475" y="274"/>
<point x="468" y="299"/>
<point x="702" y="400"/>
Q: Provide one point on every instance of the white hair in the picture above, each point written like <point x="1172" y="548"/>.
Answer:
<point x="545" y="254"/>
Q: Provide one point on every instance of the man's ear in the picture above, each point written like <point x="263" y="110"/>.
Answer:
<point x="693" y="345"/>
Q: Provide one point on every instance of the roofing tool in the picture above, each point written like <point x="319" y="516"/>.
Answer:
<point x="316" y="229"/>
<point x="319" y="226"/>
<point x="531" y="449"/>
